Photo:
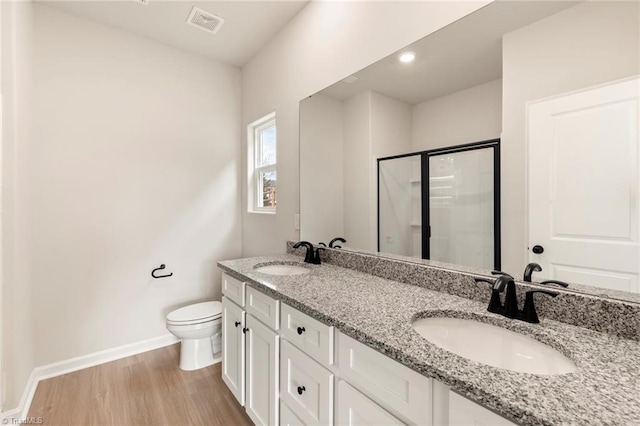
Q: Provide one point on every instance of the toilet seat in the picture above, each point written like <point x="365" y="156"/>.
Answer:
<point x="195" y="314"/>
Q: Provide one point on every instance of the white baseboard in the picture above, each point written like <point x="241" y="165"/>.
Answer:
<point x="79" y="363"/>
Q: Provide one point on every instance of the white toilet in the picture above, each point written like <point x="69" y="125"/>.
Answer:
<point x="199" y="326"/>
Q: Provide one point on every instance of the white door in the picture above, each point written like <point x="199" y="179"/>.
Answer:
<point x="262" y="373"/>
<point x="233" y="348"/>
<point x="584" y="184"/>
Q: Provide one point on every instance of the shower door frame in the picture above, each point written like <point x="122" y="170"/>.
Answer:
<point x="425" y="193"/>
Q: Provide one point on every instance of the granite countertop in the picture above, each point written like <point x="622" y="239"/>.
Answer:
<point x="604" y="390"/>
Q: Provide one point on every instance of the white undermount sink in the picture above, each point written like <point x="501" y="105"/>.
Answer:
<point x="493" y="345"/>
<point x="282" y="269"/>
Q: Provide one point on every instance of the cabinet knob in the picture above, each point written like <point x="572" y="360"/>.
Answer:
<point x="301" y="389"/>
<point x="244" y="330"/>
<point x="237" y="323"/>
<point x="300" y="331"/>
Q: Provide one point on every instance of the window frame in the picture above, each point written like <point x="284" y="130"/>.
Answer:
<point x="254" y="157"/>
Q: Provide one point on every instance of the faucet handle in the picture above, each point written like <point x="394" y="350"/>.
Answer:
<point x="483" y="280"/>
<point x="560" y="283"/>
<point x="332" y="243"/>
<point x="494" y="272"/>
<point x="529" y="313"/>
<point x="316" y="257"/>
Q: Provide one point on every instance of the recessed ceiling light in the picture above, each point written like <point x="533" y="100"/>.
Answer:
<point x="407" y="57"/>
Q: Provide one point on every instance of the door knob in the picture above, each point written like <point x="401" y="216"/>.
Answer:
<point x="538" y="249"/>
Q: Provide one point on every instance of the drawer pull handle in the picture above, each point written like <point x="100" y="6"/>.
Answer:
<point x="237" y="323"/>
<point x="300" y="331"/>
<point x="244" y="330"/>
<point x="301" y="389"/>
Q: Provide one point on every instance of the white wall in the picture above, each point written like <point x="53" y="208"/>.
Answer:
<point x="18" y="351"/>
<point x="322" y="176"/>
<point x="324" y="43"/>
<point x="357" y="157"/>
<point x="587" y="44"/>
<point x="470" y="115"/>
<point x="390" y="124"/>
<point x="134" y="162"/>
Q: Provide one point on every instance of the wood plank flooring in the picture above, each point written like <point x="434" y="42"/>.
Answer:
<point x="144" y="389"/>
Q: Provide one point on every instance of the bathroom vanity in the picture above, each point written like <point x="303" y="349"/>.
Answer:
<point x="336" y="345"/>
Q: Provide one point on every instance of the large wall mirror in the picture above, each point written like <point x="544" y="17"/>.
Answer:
<point x="554" y="86"/>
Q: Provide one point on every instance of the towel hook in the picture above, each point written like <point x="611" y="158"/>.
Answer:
<point x="153" y="273"/>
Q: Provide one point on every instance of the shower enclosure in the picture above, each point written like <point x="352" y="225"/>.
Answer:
<point x="442" y="204"/>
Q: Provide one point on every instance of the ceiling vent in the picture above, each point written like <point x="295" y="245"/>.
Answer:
<point x="204" y="20"/>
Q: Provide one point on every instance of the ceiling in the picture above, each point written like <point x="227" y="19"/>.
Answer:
<point x="248" y="25"/>
<point x="464" y="54"/>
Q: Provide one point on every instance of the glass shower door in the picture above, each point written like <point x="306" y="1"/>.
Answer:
<point x="461" y="207"/>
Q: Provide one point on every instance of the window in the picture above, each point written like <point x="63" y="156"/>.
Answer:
<point x="262" y="165"/>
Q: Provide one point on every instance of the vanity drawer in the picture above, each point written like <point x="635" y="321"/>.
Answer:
<point x="263" y="307"/>
<point x="305" y="386"/>
<point x="287" y="418"/>
<point x="463" y="412"/>
<point x="308" y="334"/>
<point x="353" y="408"/>
<point x="233" y="289"/>
<point x="396" y="388"/>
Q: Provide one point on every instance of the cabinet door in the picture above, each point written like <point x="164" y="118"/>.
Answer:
<point x="463" y="412"/>
<point x="233" y="347"/>
<point x="263" y="352"/>
<point x="353" y="408"/>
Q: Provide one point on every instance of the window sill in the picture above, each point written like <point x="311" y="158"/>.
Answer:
<point x="273" y="212"/>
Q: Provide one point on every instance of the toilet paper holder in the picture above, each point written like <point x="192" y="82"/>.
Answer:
<point x="153" y="273"/>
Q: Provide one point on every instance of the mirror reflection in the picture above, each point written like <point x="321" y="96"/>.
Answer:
<point x="553" y="84"/>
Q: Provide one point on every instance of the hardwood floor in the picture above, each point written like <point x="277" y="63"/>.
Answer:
<point x="144" y="389"/>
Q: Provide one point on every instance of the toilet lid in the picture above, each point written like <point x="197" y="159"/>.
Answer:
<point x="199" y="311"/>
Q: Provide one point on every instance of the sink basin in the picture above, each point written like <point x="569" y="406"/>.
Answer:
<point x="282" y="269"/>
<point x="494" y="346"/>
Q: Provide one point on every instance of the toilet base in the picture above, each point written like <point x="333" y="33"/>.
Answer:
<point x="196" y="354"/>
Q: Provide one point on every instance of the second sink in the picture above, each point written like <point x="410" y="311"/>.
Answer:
<point x="281" y="269"/>
<point x="493" y="345"/>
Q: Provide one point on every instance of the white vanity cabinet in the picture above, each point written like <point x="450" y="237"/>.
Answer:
<point x="288" y="368"/>
<point x="251" y="349"/>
